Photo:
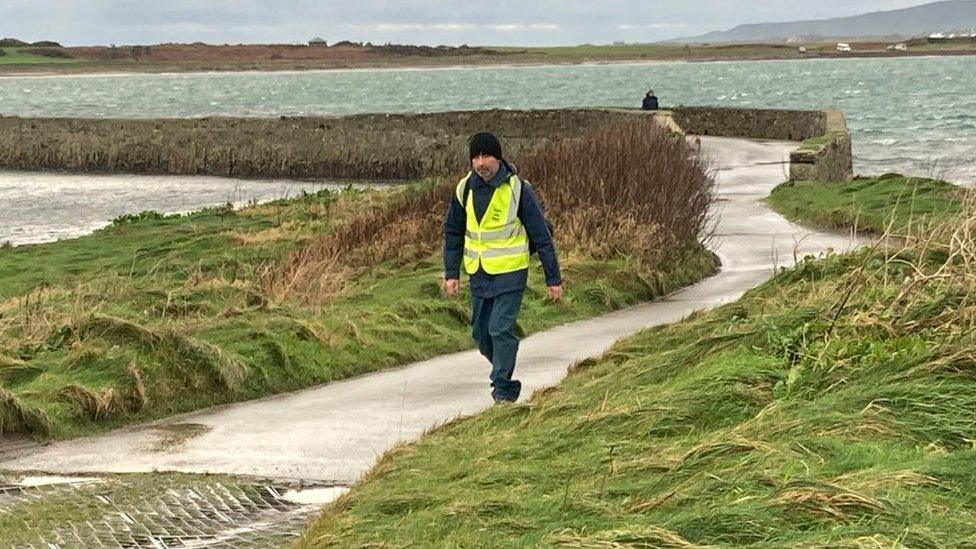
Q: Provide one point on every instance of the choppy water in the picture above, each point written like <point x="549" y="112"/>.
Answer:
<point x="911" y="115"/>
<point x="41" y="207"/>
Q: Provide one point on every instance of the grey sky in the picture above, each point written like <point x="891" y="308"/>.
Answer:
<point x="484" y="22"/>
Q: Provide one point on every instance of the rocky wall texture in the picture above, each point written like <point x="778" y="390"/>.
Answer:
<point x="783" y="125"/>
<point x="827" y="157"/>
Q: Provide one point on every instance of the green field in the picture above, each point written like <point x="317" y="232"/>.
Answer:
<point x="17" y="56"/>
<point x="833" y="406"/>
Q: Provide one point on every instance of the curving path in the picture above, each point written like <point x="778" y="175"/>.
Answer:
<point x="334" y="433"/>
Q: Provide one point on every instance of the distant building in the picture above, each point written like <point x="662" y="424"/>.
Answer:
<point x="318" y="42"/>
<point x="841" y="46"/>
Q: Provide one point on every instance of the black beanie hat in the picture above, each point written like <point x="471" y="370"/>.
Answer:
<point x="486" y="144"/>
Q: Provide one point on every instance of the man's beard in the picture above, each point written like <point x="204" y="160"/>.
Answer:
<point x="486" y="173"/>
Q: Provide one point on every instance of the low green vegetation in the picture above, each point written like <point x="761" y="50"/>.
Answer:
<point x="833" y="406"/>
<point x="160" y="314"/>
<point x="23" y="56"/>
<point x="814" y="143"/>
<point x="872" y="205"/>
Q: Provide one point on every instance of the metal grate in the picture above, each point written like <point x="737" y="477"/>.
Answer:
<point x="154" y="512"/>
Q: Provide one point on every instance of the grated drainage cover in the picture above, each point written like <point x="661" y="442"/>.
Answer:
<point x="153" y="511"/>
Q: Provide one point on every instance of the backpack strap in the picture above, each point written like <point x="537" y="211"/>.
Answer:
<point x="461" y="191"/>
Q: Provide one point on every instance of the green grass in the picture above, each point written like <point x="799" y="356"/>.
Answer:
<point x="166" y="314"/>
<point x="16" y="56"/>
<point x="870" y="204"/>
<point x="832" y="407"/>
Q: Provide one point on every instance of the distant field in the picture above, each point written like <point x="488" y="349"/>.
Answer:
<point x="16" y="56"/>
<point x="656" y="51"/>
<point x="265" y="57"/>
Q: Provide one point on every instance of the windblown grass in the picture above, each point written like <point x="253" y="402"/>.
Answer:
<point x="157" y="315"/>
<point x="624" y="189"/>
<point x="834" y="406"/>
<point x="869" y="205"/>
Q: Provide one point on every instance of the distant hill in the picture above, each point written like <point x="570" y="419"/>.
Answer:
<point x="916" y="21"/>
<point x="14" y="43"/>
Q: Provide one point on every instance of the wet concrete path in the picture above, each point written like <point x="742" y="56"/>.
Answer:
<point x="334" y="433"/>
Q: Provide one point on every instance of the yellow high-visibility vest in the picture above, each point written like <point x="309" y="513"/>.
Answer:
<point x="499" y="243"/>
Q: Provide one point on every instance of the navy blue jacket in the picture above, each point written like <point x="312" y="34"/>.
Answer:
<point x="485" y="285"/>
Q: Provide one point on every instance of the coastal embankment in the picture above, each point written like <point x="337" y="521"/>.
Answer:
<point x="158" y="314"/>
<point x="378" y="146"/>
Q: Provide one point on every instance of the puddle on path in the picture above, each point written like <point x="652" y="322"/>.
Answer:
<point x="172" y="437"/>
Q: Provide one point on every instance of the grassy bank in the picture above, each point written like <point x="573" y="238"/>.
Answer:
<point x="871" y="205"/>
<point x="155" y="315"/>
<point x="832" y="406"/>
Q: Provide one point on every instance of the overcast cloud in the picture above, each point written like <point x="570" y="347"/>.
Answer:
<point x="485" y="22"/>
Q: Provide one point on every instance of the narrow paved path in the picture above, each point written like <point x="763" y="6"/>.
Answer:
<point x="334" y="433"/>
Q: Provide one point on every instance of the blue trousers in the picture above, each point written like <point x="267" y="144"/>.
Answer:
<point x="493" y="327"/>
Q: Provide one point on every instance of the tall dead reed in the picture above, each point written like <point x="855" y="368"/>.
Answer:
<point x="370" y="146"/>
<point x="405" y="228"/>
<point x="623" y="189"/>
<point x="928" y="277"/>
<point x="626" y="188"/>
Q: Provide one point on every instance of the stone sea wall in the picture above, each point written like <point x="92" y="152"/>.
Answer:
<point x="826" y="157"/>
<point x="783" y="125"/>
<point x="825" y="154"/>
<point x="379" y="146"/>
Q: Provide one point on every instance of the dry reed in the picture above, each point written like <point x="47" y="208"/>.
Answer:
<point x="624" y="189"/>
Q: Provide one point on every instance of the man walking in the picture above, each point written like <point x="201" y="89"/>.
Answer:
<point x="493" y="219"/>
